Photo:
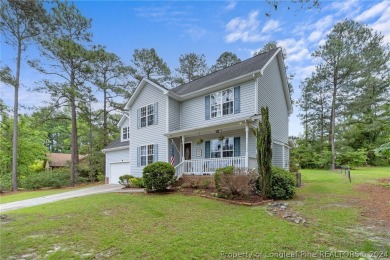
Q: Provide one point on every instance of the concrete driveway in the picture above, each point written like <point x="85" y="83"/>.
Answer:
<point x="62" y="196"/>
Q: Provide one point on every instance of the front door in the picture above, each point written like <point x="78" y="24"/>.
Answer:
<point x="187" y="151"/>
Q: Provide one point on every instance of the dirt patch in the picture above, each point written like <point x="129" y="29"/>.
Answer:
<point x="375" y="204"/>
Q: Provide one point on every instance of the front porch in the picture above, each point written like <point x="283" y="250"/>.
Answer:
<point x="202" y="150"/>
<point x="208" y="166"/>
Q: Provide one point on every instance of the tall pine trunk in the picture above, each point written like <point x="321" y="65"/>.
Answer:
<point x="15" y="130"/>
<point x="333" y="122"/>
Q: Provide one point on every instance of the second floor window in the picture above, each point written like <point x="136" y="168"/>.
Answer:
<point x="222" y="103"/>
<point x="147" y="115"/>
<point x="125" y="133"/>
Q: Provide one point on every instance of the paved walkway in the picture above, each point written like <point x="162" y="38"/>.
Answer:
<point x="65" y="195"/>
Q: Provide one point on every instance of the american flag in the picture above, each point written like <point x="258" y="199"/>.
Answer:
<point x="172" y="155"/>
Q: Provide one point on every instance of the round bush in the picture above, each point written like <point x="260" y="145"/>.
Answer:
<point x="282" y="184"/>
<point x="125" y="180"/>
<point x="158" y="176"/>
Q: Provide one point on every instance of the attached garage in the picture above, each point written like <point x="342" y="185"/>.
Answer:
<point x="118" y="169"/>
<point x="117" y="160"/>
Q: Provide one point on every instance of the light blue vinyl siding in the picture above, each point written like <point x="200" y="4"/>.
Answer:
<point x="277" y="155"/>
<point x="153" y="134"/>
<point x="192" y="112"/>
<point x="174" y="115"/>
<point x="270" y="92"/>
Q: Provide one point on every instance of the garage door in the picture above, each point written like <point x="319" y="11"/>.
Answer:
<point x="118" y="169"/>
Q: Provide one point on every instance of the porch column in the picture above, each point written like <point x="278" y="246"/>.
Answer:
<point x="246" y="145"/>
<point x="183" y="139"/>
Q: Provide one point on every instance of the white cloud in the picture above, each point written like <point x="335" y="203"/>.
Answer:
<point x="383" y="25"/>
<point x="194" y="31"/>
<point x="230" y="6"/>
<point x="303" y="54"/>
<point x="271" y="26"/>
<point x="314" y="36"/>
<point x="348" y="7"/>
<point x="244" y="29"/>
<point x="373" y="11"/>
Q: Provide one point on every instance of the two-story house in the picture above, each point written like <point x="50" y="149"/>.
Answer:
<point x="204" y="124"/>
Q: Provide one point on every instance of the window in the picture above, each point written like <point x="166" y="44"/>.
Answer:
<point x="222" y="103"/>
<point x="125" y="133"/>
<point x="146" y="154"/>
<point x="147" y="115"/>
<point x="224" y="148"/>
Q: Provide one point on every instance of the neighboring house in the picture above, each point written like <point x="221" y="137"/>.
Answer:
<point x="58" y="160"/>
<point x="205" y="124"/>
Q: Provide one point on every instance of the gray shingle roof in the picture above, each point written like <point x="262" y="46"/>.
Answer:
<point x="116" y="144"/>
<point x="239" y="69"/>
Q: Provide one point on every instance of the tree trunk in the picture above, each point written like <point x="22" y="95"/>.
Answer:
<point x="15" y="130"/>
<point x="74" y="144"/>
<point x="332" y="123"/>
<point x="105" y="132"/>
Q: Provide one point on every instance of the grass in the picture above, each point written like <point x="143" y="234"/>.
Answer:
<point x="130" y="226"/>
<point x="24" y="195"/>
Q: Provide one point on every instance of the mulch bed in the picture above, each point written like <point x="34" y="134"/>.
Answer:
<point x="252" y="200"/>
<point x="375" y="203"/>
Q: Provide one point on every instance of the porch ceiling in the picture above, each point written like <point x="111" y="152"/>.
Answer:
<point x="238" y="123"/>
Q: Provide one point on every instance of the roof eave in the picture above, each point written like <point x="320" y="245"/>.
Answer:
<point x="139" y="88"/>
<point x="237" y="80"/>
<point x="115" y="149"/>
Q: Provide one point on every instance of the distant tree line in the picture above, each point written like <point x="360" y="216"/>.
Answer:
<point x="345" y="103"/>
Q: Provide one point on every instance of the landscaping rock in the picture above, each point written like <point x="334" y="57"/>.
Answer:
<point x="283" y="210"/>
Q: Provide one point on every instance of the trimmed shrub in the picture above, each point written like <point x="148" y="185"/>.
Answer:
<point x="137" y="183"/>
<point x="125" y="180"/>
<point x="158" y="176"/>
<point x="235" y="182"/>
<point x="282" y="184"/>
<point x="222" y="172"/>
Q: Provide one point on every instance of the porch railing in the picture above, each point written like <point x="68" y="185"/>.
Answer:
<point x="208" y="166"/>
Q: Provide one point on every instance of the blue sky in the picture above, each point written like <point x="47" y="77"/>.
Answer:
<point x="210" y="28"/>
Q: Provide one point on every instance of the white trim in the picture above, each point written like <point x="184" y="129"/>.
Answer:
<point x="257" y="95"/>
<point x="246" y="144"/>
<point x="128" y="133"/>
<point x="221" y="142"/>
<point x="147" y="154"/>
<point x="147" y="110"/>
<point x="221" y="102"/>
<point x="118" y="162"/>
<point x="278" y="142"/>
<point x="167" y="114"/>
<point x="123" y="118"/>
<point x="140" y="86"/>
<point x="189" y="142"/>
<point x="216" y="87"/>
<point x="219" y="124"/>
<point x="270" y="60"/>
<point x="115" y="149"/>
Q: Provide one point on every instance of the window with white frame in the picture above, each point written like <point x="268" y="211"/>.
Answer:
<point x="146" y="154"/>
<point x="222" y="103"/>
<point x="224" y="148"/>
<point x="125" y="133"/>
<point x="147" y="115"/>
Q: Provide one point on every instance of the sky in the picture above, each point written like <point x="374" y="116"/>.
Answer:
<point x="173" y="28"/>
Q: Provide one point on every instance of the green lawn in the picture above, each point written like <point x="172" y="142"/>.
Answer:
<point x="132" y="226"/>
<point x="24" y="195"/>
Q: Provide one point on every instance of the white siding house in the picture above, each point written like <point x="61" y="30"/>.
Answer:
<point x="205" y="124"/>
